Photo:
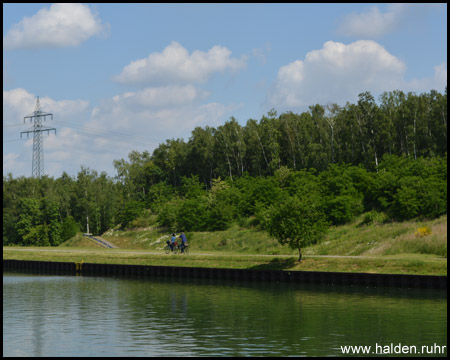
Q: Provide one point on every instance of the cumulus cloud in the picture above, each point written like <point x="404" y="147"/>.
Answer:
<point x="158" y="113"/>
<point x="174" y="65"/>
<point x="374" y="23"/>
<point x="61" y="25"/>
<point x="18" y="103"/>
<point x="336" y="73"/>
<point x="133" y="120"/>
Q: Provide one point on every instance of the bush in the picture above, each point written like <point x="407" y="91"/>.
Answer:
<point x="69" y="228"/>
<point x="133" y="209"/>
<point x="420" y="197"/>
<point x="159" y="194"/>
<point x="257" y="193"/>
<point x="423" y="231"/>
<point x="373" y="217"/>
<point x="434" y="198"/>
<point x="222" y="205"/>
<point x="343" y="208"/>
<point x="168" y="214"/>
<point x="192" y="215"/>
<point x="406" y="203"/>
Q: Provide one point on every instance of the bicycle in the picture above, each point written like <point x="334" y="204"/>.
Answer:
<point x="174" y="248"/>
<point x="186" y="249"/>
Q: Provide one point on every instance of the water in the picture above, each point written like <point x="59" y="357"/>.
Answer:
<point x="48" y="315"/>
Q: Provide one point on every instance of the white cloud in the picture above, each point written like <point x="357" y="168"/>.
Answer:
<point x="134" y="120"/>
<point x="373" y="23"/>
<point x="10" y="160"/>
<point x="437" y="82"/>
<point x="440" y="75"/>
<point x="18" y="103"/>
<point x="61" y="25"/>
<point x="174" y="65"/>
<point x="336" y="73"/>
<point x="18" y="100"/>
<point x="172" y="95"/>
<point x="157" y="113"/>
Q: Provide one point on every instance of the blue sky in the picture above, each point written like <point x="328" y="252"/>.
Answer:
<point x="123" y="77"/>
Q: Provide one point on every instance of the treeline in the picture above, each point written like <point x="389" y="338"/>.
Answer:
<point x="389" y="158"/>
<point x="401" y="124"/>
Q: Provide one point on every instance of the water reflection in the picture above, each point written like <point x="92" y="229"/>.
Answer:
<point x="109" y="316"/>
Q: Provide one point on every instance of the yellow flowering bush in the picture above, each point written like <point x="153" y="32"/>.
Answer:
<point x="423" y="231"/>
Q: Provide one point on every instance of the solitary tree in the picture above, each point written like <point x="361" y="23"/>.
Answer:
<point x="297" y="222"/>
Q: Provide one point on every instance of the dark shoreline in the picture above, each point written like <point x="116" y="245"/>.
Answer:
<point x="315" y="277"/>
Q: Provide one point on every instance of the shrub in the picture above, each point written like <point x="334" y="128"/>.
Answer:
<point x="168" y="214"/>
<point x="69" y="228"/>
<point x="132" y="210"/>
<point x="373" y="217"/>
<point x="423" y="231"/>
<point x="406" y="203"/>
<point x="343" y="208"/>
<point x="193" y="214"/>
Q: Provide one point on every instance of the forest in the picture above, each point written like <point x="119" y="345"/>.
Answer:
<point x="324" y="166"/>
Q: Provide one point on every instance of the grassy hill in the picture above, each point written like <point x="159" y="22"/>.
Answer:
<point x="366" y="245"/>
<point x="367" y="236"/>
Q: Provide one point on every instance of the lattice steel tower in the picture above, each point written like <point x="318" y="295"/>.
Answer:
<point x="38" y="141"/>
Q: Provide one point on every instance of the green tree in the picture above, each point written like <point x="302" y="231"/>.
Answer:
<point x="168" y="214"/>
<point x="132" y="210"/>
<point x="30" y="217"/>
<point x="222" y="205"/>
<point x="37" y="236"/>
<point x="170" y="158"/>
<point x="158" y="194"/>
<point x="191" y="188"/>
<point x="192" y="214"/>
<point x="257" y="194"/>
<point x="201" y="154"/>
<point x="50" y="219"/>
<point x="342" y="202"/>
<point x="297" y="222"/>
<point x="69" y="228"/>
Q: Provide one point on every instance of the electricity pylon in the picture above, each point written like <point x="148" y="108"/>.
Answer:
<point x="38" y="141"/>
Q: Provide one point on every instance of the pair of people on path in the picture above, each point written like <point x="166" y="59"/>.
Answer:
<point x="183" y="241"/>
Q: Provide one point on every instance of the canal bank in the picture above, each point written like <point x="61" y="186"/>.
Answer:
<point x="314" y="277"/>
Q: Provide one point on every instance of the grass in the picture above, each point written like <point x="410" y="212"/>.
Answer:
<point x="406" y="264"/>
<point x="362" y="246"/>
<point x="384" y="239"/>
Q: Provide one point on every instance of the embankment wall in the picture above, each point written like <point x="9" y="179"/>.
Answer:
<point x="318" y="277"/>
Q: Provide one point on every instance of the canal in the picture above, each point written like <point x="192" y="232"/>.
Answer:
<point x="56" y="315"/>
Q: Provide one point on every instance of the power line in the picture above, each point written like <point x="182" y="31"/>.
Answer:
<point x="11" y="125"/>
<point x="94" y="132"/>
<point x="122" y="141"/>
<point x="118" y="143"/>
<point x="112" y="133"/>
<point x="113" y="149"/>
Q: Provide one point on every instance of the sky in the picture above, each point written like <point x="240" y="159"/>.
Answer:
<point x="124" y="77"/>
